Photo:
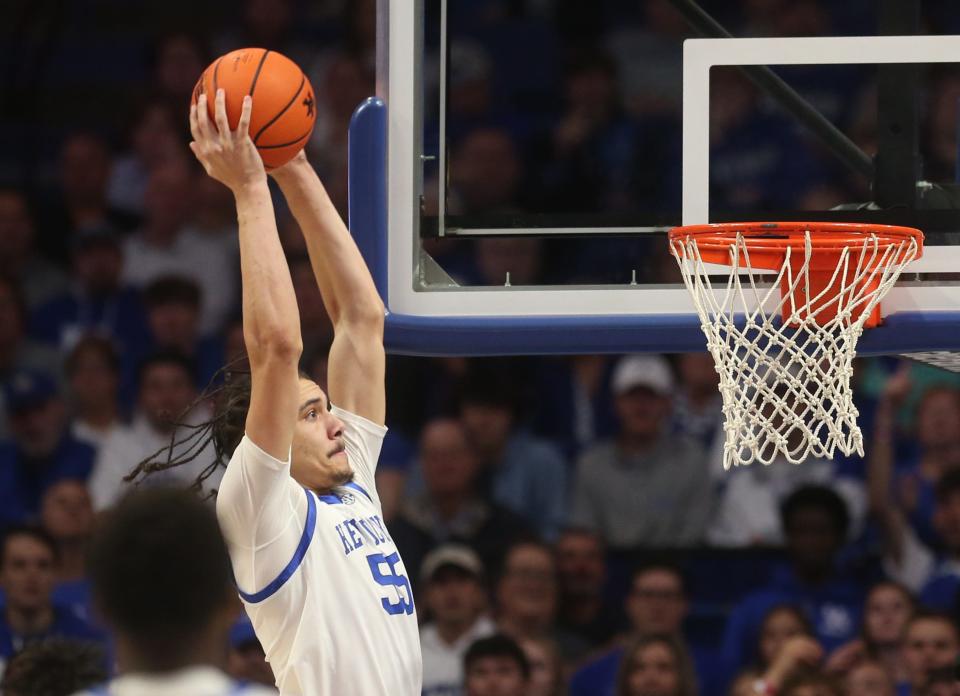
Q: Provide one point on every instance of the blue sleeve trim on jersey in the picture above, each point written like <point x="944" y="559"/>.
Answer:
<point x="358" y="487"/>
<point x="295" y="562"/>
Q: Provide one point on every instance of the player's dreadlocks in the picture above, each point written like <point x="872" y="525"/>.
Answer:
<point x="229" y="390"/>
<point x="224" y="430"/>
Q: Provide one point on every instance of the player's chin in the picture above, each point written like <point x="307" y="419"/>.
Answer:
<point x="338" y="468"/>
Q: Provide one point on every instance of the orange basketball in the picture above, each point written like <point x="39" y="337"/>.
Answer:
<point x="283" y="104"/>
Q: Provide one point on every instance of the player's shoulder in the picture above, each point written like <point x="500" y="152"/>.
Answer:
<point x="247" y="449"/>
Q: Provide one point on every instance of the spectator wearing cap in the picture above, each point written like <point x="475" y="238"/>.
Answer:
<point x="455" y="599"/>
<point x="646" y="486"/>
<point x="37" y="278"/>
<point x="173" y="314"/>
<point x="42" y="451"/>
<point x="451" y="508"/>
<point x="17" y="351"/>
<point x="97" y="302"/>
<point x="27" y="574"/>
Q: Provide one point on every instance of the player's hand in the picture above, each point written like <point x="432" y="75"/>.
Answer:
<point x="228" y="156"/>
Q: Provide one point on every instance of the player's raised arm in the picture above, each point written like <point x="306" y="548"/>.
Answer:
<point x="356" y="366"/>
<point x="271" y="323"/>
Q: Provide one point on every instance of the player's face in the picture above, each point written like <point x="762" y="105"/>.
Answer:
<point x="319" y="460"/>
<point x="495" y="676"/>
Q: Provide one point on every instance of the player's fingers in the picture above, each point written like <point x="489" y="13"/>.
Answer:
<point x="203" y="120"/>
<point x="194" y="128"/>
<point x="220" y="113"/>
<point x="243" y="128"/>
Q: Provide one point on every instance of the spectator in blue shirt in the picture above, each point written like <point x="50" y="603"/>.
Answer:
<point x="27" y="574"/>
<point x="42" y="450"/>
<point x="815" y="521"/>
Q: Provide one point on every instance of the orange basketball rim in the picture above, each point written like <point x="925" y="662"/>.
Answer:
<point x="832" y="257"/>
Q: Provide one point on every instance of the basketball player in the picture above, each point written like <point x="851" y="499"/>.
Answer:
<point x="160" y="579"/>
<point x="321" y="579"/>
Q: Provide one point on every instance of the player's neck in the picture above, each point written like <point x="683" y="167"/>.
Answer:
<point x="29" y="622"/>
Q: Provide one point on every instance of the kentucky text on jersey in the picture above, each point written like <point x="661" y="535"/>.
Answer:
<point x="365" y="531"/>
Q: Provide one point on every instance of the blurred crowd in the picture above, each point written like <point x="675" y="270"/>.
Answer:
<point x="566" y="522"/>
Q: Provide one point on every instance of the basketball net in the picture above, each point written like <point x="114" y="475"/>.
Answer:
<point x="784" y="349"/>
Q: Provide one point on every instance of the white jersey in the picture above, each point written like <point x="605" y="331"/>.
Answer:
<point x="321" y="579"/>
<point x="195" y="681"/>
